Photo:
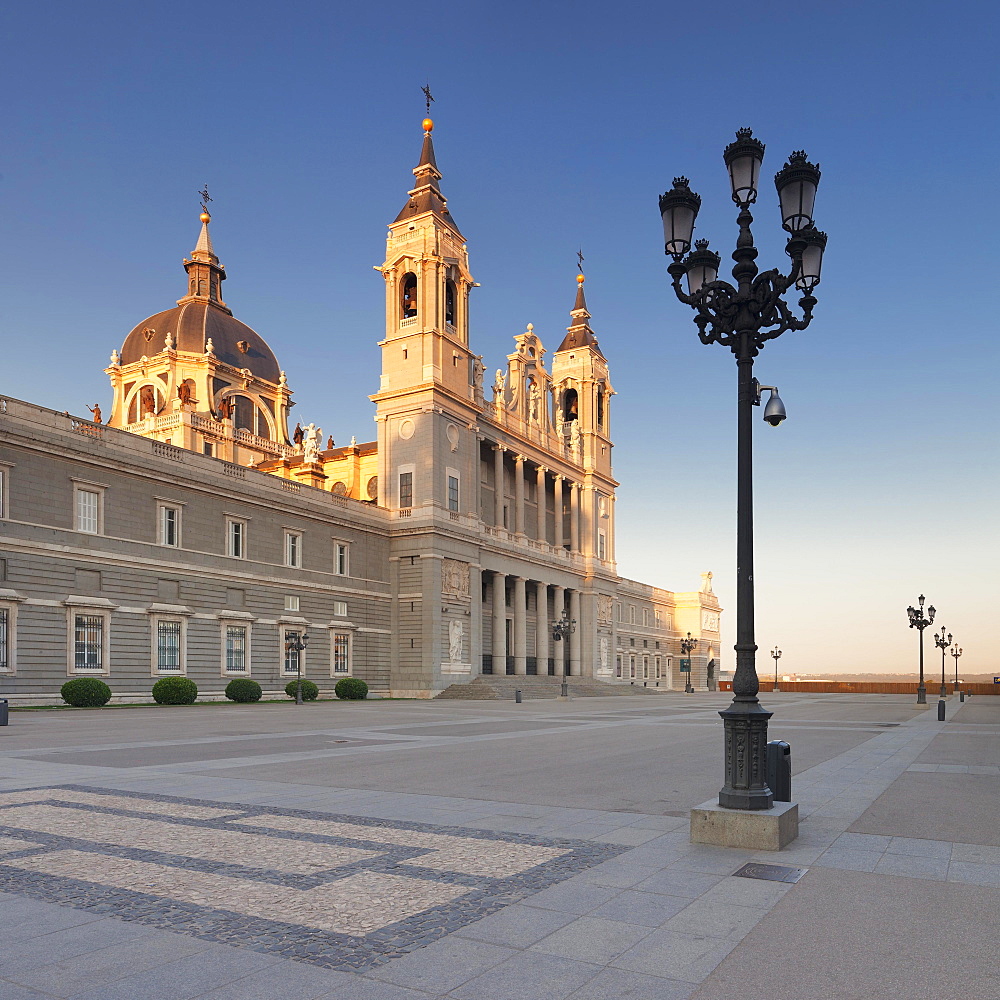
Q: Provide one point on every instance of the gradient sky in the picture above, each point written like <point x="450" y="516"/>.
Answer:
<point x="557" y="126"/>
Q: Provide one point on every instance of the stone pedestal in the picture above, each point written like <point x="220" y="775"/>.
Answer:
<point x="759" y="829"/>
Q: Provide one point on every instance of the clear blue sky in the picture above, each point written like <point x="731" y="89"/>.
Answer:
<point x="557" y="126"/>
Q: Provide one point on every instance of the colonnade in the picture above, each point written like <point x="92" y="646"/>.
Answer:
<point x="566" y="531"/>
<point x="563" y="599"/>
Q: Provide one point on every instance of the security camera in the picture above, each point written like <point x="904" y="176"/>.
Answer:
<point x="774" y="411"/>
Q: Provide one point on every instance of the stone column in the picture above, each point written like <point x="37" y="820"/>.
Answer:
<point x="542" y="626"/>
<point x="498" y="485"/>
<point x="574" y="518"/>
<point x="558" y="504"/>
<point x="574" y="639"/>
<point x="559" y="648"/>
<point x="499" y="625"/>
<point x="476" y="614"/>
<point x="519" y="494"/>
<point x="517" y="600"/>
<point x="540" y="497"/>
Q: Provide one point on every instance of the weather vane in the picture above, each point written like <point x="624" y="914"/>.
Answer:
<point x="205" y="198"/>
<point x="427" y="97"/>
<point x="580" y="259"/>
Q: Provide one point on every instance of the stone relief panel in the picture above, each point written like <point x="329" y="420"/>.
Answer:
<point x="709" y="621"/>
<point x="454" y="578"/>
<point x="605" y="605"/>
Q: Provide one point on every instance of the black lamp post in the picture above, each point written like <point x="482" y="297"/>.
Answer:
<point x="943" y="642"/>
<point x="562" y="629"/>
<point x="743" y="317"/>
<point x="296" y="643"/>
<point x="687" y="645"/>
<point x="956" y="651"/>
<point x="776" y="653"/>
<point x="919" y="620"/>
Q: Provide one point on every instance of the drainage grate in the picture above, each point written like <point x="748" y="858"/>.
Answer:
<point x="773" y="873"/>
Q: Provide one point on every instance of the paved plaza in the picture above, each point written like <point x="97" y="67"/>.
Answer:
<point x="401" y="850"/>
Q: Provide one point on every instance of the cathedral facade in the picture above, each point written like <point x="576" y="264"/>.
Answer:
<point x="193" y="532"/>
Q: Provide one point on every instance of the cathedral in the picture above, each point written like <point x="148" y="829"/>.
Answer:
<point x="191" y="530"/>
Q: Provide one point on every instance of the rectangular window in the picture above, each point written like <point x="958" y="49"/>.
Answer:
<point x="340" y="609"/>
<point x="621" y="612"/>
<point x="170" y="523"/>
<point x="453" y="493"/>
<point x="88" y="511"/>
<point x="3" y="493"/>
<point x="406" y="489"/>
<point x="236" y="649"/>
<point x="645" y="668"/>
<point x="88" y="640"/>
<point x="658" y="617"/>
<point x="658" y="667"/>
<point x="291" y="602"/>
<point x="631" y="667"/>
<point x="236" y="539"/>
<point x="168" y="646"/>
<point x="293" y="549"/>
<point x="341" y="648"/>
<point x="645" y="617"/>
<point x="4" y="640"/>
<point x="631" y="614"/>
<point x="601" y="545"/>
<point x="293" y="656"/>
<point x="340" y="558"/>
<point x="618" y="666"/>
<point x="207" y="449"/>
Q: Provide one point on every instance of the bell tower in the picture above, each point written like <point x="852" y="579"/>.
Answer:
<point x="430" y="391"/>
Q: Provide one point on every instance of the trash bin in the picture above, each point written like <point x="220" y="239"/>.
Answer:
<point x="941" y="711"/>
<point x="3" y="711"/>
<point x="961" y="696"/>
<point x="778" y="762"/>
<point x="517" y="696"/>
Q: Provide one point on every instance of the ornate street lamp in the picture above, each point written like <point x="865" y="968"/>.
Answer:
<point x="919" y="620"/>
<point x="776" y="653"/>
<point x="687" y="645"/>
<point x="563" y="629"/>
<point x="743" y="317"/>
<point x="296" y="643"/>
<point x="943" y="642"/>
<point x="956" y="652"/>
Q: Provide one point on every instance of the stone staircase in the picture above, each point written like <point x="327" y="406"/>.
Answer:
<point x="501" y="688"/>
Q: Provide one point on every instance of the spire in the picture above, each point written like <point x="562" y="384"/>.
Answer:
<point x="579" y="334"/>
<point x="205" y="273"/>
<point x="426" y="195"/>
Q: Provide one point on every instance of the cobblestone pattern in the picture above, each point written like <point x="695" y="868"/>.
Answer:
<point x="341" y="892"/>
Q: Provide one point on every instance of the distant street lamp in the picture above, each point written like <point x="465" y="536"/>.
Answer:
<point x="920" y="621"/>
<point x="942" y="642"/>
<point x="956" y="652"/>
<point x="776" y="653"/>
<point x="743" y="317"/>
<point x="296" y="643"/>
<point x="563" y="629"/>
<point x="687" y="645"/>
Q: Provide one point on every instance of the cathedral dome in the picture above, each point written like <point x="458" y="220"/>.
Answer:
<point x="192" y="324"/>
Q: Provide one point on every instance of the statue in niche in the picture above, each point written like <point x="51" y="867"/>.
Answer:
<point x="96" y="410"/>
<point x="456" y="632"/>
<point x="575" y="440"/>
<point x="147" y="400"/>
<point x="706" y="582"/>
<point x="297" y="437"/>
<point x="534" y="400"/>
<point x="313" y="436"/>
<point x="184" y="393"/>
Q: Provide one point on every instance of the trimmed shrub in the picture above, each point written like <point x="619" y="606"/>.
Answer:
<point x="243" y="689"/>
<point x="309" y="690"/>
<point x="85" y="692"/>
<point x="351" y="689"/>
<point x="175" y="691"/>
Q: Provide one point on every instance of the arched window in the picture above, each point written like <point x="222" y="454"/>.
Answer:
<point x="449" y="303"/>
<point x="600" y="409"/>
<point x="408" y="299"/>
<point x="571" y="405"/>
<point x="247" y="416"/>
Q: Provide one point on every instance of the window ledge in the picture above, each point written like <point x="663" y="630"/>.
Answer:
<point x="169" y="609"/>
<point x="79" y="601"/>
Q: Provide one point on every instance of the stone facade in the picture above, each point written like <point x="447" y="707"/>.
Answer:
<point x="192" y="533"/>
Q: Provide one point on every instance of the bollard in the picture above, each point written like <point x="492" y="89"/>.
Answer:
<point x="517" y="696"/>
<point x="778" y="765"/>
<point x="961" y="696"/>
<point x="564" y="689"/>
<point x="941" y="711"/>
<point x="3" y="712"/>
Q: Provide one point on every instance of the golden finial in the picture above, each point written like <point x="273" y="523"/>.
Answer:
<point x="428" y="125"/>
<point x="580" y="279"/>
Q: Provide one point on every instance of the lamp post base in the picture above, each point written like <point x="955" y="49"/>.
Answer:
<point x="746" y="736"/>
<point x="921" y="695"/>
<point x="944" y="691"/>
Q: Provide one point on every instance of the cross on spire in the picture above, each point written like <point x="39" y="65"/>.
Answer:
<point x="205" y="198"/>
<point x="427" y="97"/>
<point x="579" y="260"/>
